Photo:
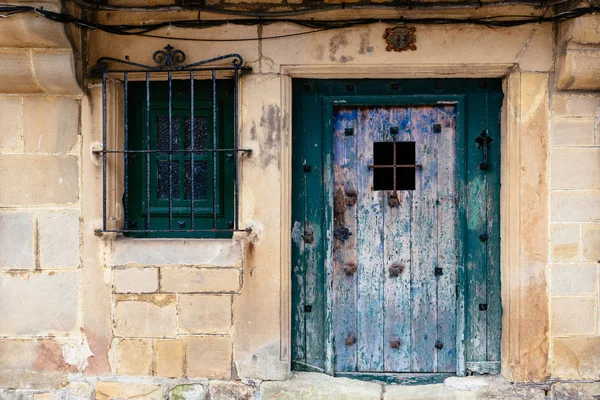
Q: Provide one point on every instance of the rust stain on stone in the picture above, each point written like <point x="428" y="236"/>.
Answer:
<point x="49" y="357"/>
<point x="100" y="346"/>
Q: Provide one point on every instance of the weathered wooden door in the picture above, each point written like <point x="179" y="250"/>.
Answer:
<point x="395" y="249"/>
<point x="396" y="237"/>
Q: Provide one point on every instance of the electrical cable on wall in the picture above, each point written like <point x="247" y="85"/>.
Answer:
<point x="506" y="21"/>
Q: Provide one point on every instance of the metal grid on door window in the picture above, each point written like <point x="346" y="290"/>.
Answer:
<point x="162" y="144"/>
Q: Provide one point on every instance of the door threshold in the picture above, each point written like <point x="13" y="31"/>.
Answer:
<point x="400" y="378"/>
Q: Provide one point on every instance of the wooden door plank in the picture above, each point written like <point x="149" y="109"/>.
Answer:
<point x="447" y="241"/>
<point x="298" y="212"/>
<point x="494" y="308"/>
<point x="424" y="243"/>
<point x="313" y="253"/>
<point x="476" y="265"/>
<point x="396" y="249"/>
<point x="344" y="254"/>
<point x="369" y="246"/>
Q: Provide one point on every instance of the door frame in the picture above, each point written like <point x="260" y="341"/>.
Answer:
<point x="328" y="173"/>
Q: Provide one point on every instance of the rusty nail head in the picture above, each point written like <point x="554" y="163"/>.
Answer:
<point x="395" y="344"/>
<point x="350" y="340"/>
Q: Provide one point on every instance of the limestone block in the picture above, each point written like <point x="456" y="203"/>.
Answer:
<point x="11" y="126"/>
<point x="17" y="240"/>
<point x="574" y="279"/>
<point x="316" y="386"/>
<point x="206" y="314"/>
<point x="575" y="104"/>
<point x="12" y="394"/>
<point x="591" y="242"/>
<point x="169" y="358"/>
<point x="32" y="30"/>
<point x="134" y="356"/>
<point x="15" y="68"/>
<point x="146" y="316"/>
<point x="583" y="30"/>
<point x="538" y="54"/>
<point x="51" y="124"/>
<point x="578" y="70"/>
<point x="231" y="390"/>
<point x="576" y="357"/>
<point x="198" y="280"/>
<point x="35" y="364"/>
<point x="209" y="357"/>
<point x="55" y="72"/>
<point x="59" y="238"/>
<point x="422" y="392"/>
<point x="564" y="242"/>
<point x="79" y="391"/>
<point x="38" y="179"/>
<point x="47" y="396"/>
<point x="573" y="131"/>
<point x="576" y="390"/>
<point x="574" y="315"/>
<point x="187" y="392"/>
<point x="575" y="206"/>
<point x="39" y="304"/>
<point x="216" y="252"/>
<point x="135" y="280"/>
<point x="127" y="391"/>
<point x="576" y="168"/>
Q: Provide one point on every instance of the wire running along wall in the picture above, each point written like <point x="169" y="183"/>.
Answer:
<point x="170" y="62"/>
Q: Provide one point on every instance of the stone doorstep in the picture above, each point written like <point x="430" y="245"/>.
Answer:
<point x="311" y="386"/>
<point x="314" y="386"/>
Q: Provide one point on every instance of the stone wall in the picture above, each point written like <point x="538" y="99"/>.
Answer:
<point x="86" y="315"/>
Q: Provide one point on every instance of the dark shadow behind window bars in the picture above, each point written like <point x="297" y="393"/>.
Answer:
<point x="169" y="61"/>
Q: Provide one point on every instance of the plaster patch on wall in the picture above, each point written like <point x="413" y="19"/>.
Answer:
<point x="77" y="354"/>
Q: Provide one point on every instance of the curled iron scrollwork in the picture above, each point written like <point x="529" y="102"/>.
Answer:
<point x="167" y="59"/>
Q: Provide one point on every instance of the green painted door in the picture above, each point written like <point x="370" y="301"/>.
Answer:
<point x="396" y="227"/>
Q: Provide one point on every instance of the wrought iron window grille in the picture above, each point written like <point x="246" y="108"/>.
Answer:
<point x="170" y="62"/>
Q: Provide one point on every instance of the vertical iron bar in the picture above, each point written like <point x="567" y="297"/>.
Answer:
<point x="395" y="169"/>
<point x="192" y="154"/>
<point x="235" y="146"/>
<point x="214" y="87"/>
<point x="104" y="149"/>
<point x="170" y="153"/>
<point x="125" y="155"/>
<point x="148" y="148"/>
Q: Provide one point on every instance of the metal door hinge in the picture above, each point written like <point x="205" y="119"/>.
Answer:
<point x="483" y="142"/>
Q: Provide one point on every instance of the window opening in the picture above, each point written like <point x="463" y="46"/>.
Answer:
<point x="394" y="165"/>
<point x="181" y="147"/>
